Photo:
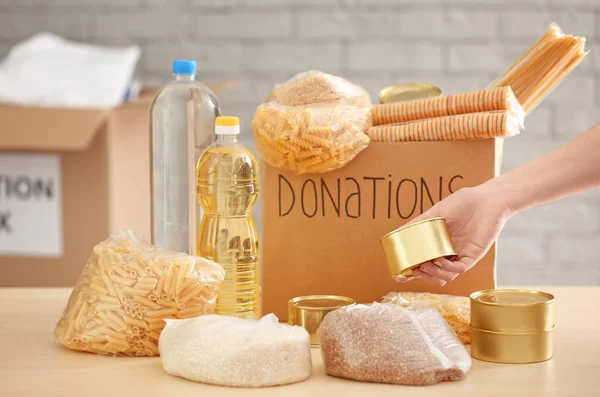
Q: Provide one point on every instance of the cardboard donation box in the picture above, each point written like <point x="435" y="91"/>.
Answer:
<point x="69" y="177"/>
<point x="321" y="232"/>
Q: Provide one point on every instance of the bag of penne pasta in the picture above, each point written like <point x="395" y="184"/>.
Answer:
<point x="126" y="291"/>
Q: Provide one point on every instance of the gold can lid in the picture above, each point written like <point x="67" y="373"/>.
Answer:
<point x="411" y="225"/>
<point x="320" y="302"/>
<point x="512" y="297"/>
<point x="408" y="92"/>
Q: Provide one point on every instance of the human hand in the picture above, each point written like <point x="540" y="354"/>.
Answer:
<point x="475" y="217"/>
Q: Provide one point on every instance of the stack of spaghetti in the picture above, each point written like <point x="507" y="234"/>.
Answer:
<point x="495" y="112"/>
<point x="543" y="66"/>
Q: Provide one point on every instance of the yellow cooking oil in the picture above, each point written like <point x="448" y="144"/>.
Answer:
<point x="227" y="187"/>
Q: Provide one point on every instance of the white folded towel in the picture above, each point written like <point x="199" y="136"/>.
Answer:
<point x="47" y="70"/>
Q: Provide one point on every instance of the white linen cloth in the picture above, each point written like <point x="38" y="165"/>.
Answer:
<point x="47" y="70"/>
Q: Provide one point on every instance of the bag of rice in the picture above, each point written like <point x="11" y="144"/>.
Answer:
<point x="385" y="343"/>
<point x="126" y="291"/>
<point x="231" y="351"/>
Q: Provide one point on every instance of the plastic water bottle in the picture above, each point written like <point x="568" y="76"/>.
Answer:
<point x="227" y="191"/>
<point x="182" y="127"/>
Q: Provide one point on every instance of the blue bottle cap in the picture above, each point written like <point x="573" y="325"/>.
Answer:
<point x="182" y="66"/>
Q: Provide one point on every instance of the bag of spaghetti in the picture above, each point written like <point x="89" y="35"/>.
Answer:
<point x="126" y="291"/>
<point x="313" y="123"/>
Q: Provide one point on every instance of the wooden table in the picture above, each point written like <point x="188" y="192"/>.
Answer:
<point x="32" y="364"/>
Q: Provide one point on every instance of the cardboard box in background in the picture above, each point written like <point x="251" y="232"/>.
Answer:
<point x="95" y="163"/>
<point x="321" y="232"/>
<point x="101" y="184"/>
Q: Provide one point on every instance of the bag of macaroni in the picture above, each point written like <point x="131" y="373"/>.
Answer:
<point x="321" y="232"/>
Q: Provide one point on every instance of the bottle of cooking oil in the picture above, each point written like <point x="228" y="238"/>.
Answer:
<point x="227" y="190"/>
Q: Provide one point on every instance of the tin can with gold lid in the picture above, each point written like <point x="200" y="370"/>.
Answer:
<point x="512" y="310"/>
<point x="408" y="92"/>
<point x="408" y="247"/>
<point x="512" y="326"/>
<point x="512" y="348"/>
<point x="309" y="311"/>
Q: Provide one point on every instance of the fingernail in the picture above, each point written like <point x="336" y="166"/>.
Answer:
<point x="438" y="264"/>
<point x="424" y="270"/>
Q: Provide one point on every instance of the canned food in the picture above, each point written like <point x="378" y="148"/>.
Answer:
<point x="408" y="247"/>
<point x="408" y="92"/>
<point x="512" y="310"/>
<point x="309" y="311"/>
<point x="512" y="348"/>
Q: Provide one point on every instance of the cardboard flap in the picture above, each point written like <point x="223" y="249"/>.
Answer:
<point x="49" y="129"/>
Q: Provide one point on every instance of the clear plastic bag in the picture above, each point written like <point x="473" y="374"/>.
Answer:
<point x="386" y="343"/>
<point x="127" y="289"/>
<point x="543" y="66"/>
<point x="314" y="87"/>
<point x="310" y="139"/>
<point x="480" y="125"/>
<point x="455" y="309"/>
<point x="231" y="351"/>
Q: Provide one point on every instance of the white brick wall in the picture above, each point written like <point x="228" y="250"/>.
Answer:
<point x="137" y="25"/>
<point x="241" y="25"/>
<point x="293" y="56"/>
<point x="391" y="56"/>
<point x="458" y="45"/>
<point x="15" y="26"/>
<point x="529" y="23"/>
<point x="484" y="57"/>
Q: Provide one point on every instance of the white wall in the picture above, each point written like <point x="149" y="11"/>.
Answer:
<point x="457" y="45"/>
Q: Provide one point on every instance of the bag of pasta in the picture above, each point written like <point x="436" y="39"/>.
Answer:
<point x="386" y="343"/>
<point x="315" y="87"/>
<point x="455" y="309"/>
<point x="126" y="291"/>
<point x="312" y="123"/>
<point x="310" y="139"/>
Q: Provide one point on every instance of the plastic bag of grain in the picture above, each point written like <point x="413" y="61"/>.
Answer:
<point x="455" y="309"/>
<point x="231" y="351"/>
<point x="127" y="290"/>
<point x="315" y="87"/>
<point x="386" y="343"/>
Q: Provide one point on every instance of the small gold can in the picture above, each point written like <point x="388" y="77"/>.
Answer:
<point x="408" y="92"/>
<point x="409" y="246"/>
<point x="309" y="311"/>
<point x="512" y="348"/>
<point x="512" y="310"/>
